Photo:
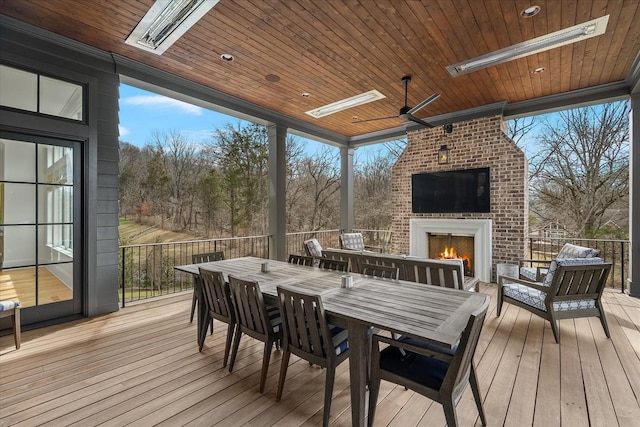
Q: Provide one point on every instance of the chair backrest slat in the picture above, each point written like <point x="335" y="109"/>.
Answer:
<point x="216" y="292"/>
<point x="301" y="260"/>
<point x="381" y="271"/>
<point x="305" y="326"/>
<point x="207" y="257"/>
<point x="579" y="281"/>
<point x="250" y="308"/>
<point x="334" y="264"/>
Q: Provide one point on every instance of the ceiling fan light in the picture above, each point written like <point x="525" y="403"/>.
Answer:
<point x="569" y="35"/>
<point x="344" y="104"/>
<point x="167" y="21"/>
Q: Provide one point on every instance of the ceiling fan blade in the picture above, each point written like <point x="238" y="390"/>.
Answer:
<point x="373" y="120"/>
<point x="419" y="121"/>
<point x="424" y="103"/>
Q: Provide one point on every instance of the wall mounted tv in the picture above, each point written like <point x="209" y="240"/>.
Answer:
<point x="458" y="191"/>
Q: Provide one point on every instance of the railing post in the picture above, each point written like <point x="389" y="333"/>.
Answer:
<point x="622" y="266"/>
<point x="123" y="273"/>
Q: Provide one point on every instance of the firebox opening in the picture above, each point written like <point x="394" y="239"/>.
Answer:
<point x="451" y="246"/>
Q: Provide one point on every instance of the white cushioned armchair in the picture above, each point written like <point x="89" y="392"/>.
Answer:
<point x="571" y="288"/>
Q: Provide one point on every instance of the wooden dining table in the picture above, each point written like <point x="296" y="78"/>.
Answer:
<point x="435" y="314"/>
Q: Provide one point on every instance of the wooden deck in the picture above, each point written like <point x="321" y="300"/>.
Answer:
<point x="141" y="366"/>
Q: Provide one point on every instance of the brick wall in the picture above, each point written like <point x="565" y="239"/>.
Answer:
<point x="473" y="144"/>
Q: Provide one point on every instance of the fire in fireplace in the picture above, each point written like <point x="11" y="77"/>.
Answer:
<point x="450" y="246"/>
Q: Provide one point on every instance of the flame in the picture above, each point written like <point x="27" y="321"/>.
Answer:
<point x="450" y="253"/>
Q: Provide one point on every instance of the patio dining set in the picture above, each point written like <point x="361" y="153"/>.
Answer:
<point x="417" y="331"/>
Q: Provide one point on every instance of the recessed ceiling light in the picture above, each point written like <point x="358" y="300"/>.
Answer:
<point x="272" y="78"/>
<point x="538" y="70"/>
<point x="563" y="37"/>
<point x="530" y="11"/>
<point x="165" y="22"/>
<point x="354" y="117"/>
<point x="227" y="57"/>
<point x="354" y="101"/>
<point x="306" y="94"/>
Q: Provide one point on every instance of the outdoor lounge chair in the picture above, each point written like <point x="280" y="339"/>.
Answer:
<point x="572" y="288"/>
<point x="355" y="242"/>
<point x="535" y="270"/>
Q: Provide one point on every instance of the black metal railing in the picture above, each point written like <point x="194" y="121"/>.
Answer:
<point x="147" y="270"/>
<point x="614" y="251"/>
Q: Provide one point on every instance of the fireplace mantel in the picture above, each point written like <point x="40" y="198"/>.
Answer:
<point x="480" y="229"/>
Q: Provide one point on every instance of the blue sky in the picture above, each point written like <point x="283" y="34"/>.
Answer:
<point x="142" y="113"/>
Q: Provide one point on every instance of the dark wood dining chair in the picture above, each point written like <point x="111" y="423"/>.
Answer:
<point x="217" y="300"/>
<point x="334" y="264"/>
<point x="12" y="309"/>
<point x="308" y="335"/>
<point x="254" y="318"/>
<point x="199" y="259"/>
<point x="382" y="271"/>
<point x="301" y="260"/>
<point x="422" y="367"/>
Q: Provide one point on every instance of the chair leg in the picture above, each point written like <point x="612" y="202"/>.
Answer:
<point x="203" y="330"/>
<point x="265" y="364"/>
<point x="16" y="327"/>
<point x="499" y="302"/>
<point x="227" y="346"/>
<point x="449" y="408"/>
<point x="236" y="344"/>
<point x="194" y="301"/>
<point x="473" y="381"/>
<point x="555" y="327"/>
<point x="328" y="393"/>
<point x="374" y="390"/>
<point x="603" y="320"/>
<point x="283" y="374"/>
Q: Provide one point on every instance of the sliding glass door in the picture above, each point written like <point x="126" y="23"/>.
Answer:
<point x="40" y="225"/>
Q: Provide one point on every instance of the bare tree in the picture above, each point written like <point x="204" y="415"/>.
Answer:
<point x="585" y="167"/>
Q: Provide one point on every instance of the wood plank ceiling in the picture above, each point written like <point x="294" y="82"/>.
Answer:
<point x="336" y="49"/>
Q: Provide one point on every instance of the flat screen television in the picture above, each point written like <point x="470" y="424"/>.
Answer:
<point x="458" y="191"/>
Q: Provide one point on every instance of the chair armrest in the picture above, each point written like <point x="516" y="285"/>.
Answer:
<point x="412" y="348"/>
<point x="532" y="261"/>
<point x="373" y="248"/>
<point x="528" y="283"/>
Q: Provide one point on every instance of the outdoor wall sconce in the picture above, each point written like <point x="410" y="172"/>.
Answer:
<point x="443" y="155"/>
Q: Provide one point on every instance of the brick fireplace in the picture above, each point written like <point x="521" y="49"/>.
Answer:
<point x="498" y="236"/>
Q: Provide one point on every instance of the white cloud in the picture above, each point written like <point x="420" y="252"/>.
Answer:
<point x="159" y="101"/>
<point x="123" y="130"/>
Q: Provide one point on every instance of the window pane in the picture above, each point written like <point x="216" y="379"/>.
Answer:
<point x="55" y="243"/>
<point x="55" y="204"/>
<point x="18" y="204"/>
<point x="17" y="160"/>
<point x="60" y="98"/>
<point x="19" y="245"/>
<point x="55" y="164"/>
<point x="55" y="283"/>
<point x="18" y="89"/>
<point x="19" y="284"/>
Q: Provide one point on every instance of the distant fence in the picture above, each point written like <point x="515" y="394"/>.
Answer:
<point x="614" y="251"/>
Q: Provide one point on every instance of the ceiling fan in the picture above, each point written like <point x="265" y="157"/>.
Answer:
<point x="407" y="112"/>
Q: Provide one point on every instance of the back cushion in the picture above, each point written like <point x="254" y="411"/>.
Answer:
<point x="567" y="261"/>
<point x="314" y="248"/>
<point x="574" y="251"/>
<point x="353" y="241"/>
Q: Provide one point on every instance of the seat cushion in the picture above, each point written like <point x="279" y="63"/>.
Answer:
<point x="273" y="313"/>
<point x="574" y="251"/>
<point x="353" y="241"/>
<point x="9" y="305"/>
<point x="313" y="248"/>
<point x="424" y="370"/>
<point x="529" y="273"/>
<point x="340" y="339"/>
<point x="535" y="298"/>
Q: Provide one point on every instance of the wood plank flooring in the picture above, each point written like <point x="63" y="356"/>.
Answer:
<point x="141" y="367"/>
